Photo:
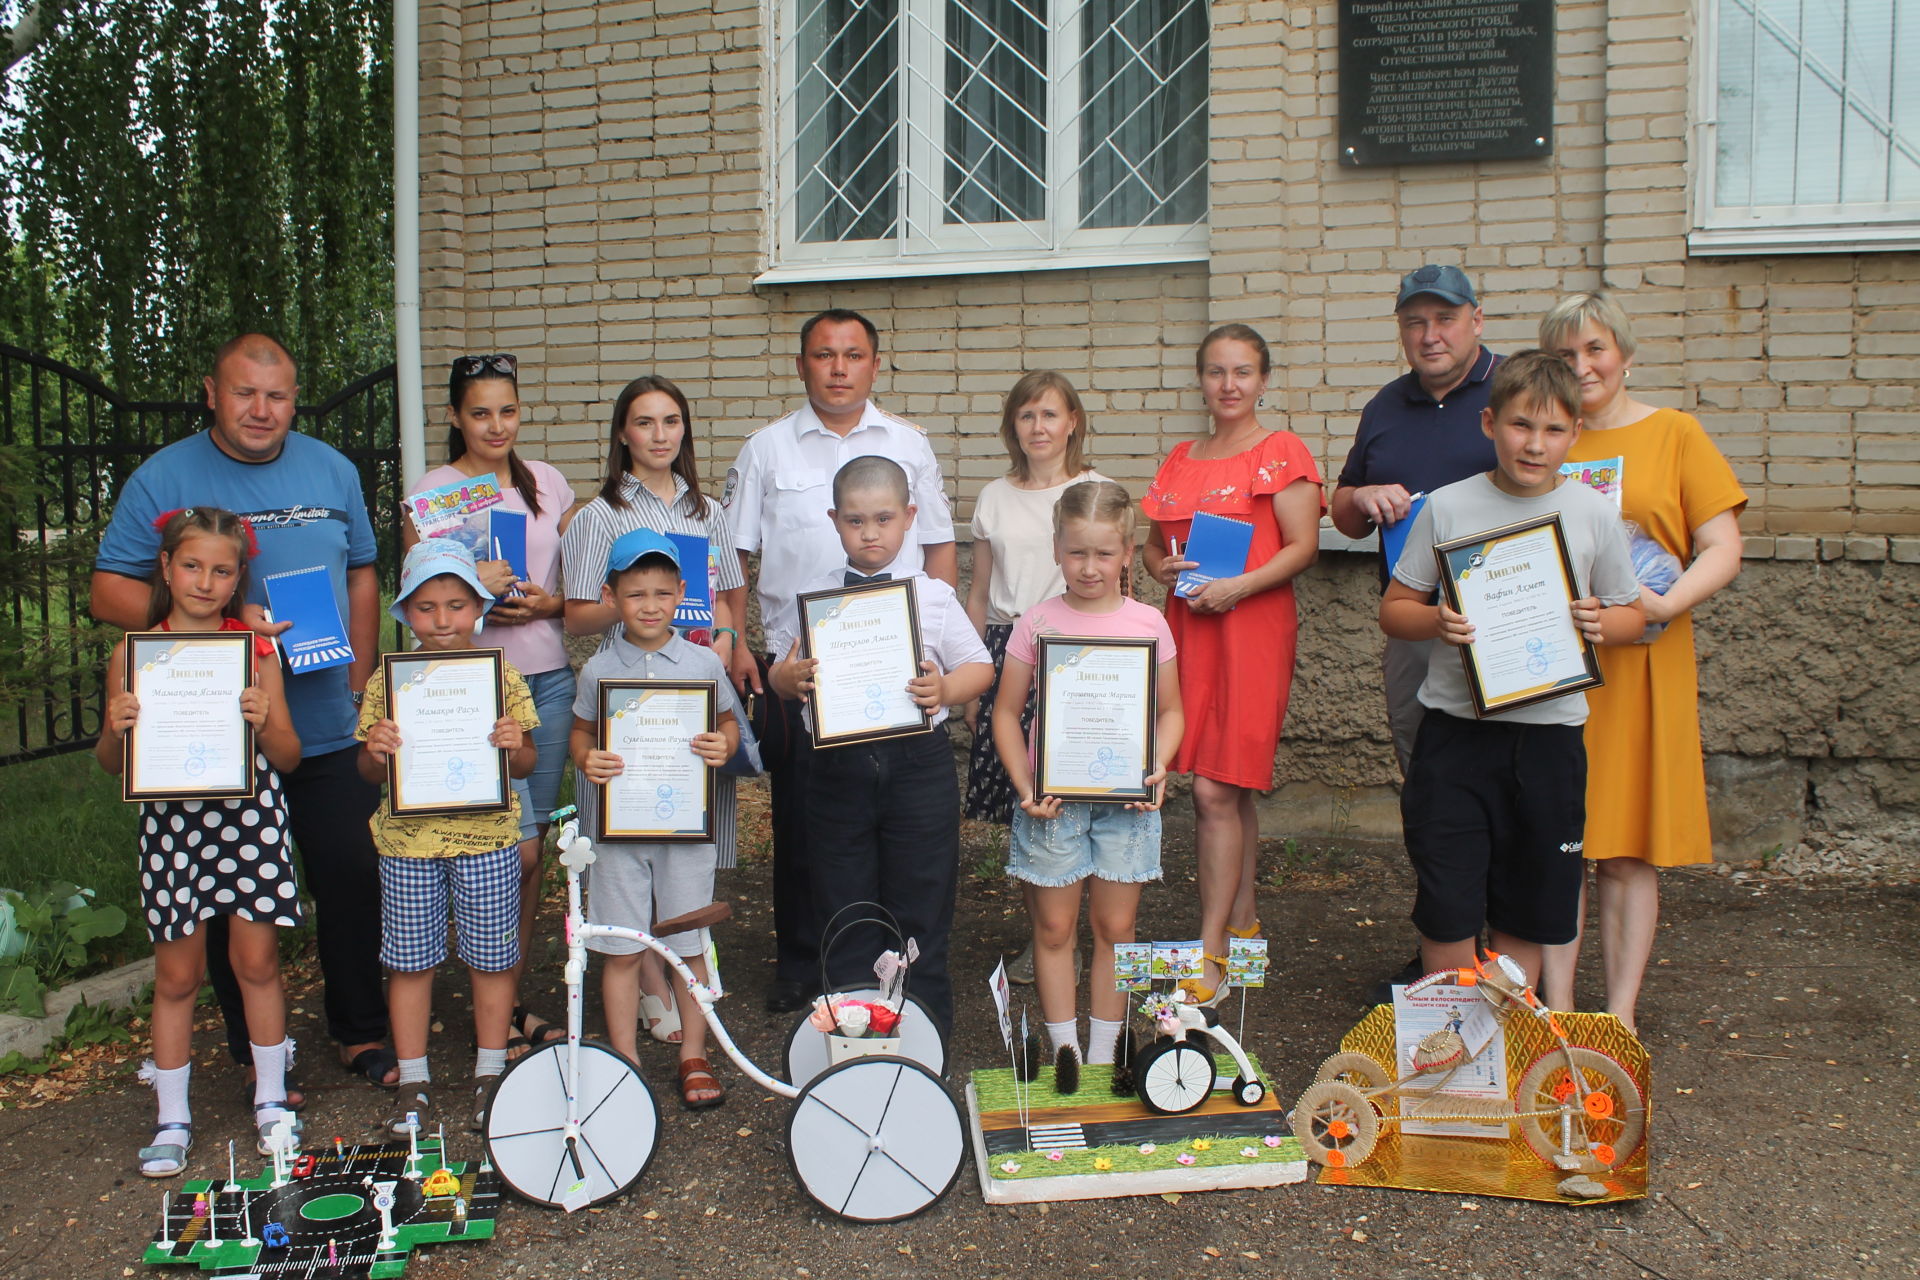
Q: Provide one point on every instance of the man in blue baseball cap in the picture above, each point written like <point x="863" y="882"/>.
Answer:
<point x="1420" y="432"/>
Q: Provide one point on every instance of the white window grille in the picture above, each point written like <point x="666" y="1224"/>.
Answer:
<point x="1809" y="126"/>
<point x="941" y="136"/>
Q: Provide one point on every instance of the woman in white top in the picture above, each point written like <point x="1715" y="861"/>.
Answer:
<point x="1044" y="428"/>
<point x="483" y="408"/>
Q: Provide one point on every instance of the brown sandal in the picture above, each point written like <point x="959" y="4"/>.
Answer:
<point x="696" y="1076"/>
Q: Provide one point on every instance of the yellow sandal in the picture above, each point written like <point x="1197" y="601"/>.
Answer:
<point x="1201" y="994"/>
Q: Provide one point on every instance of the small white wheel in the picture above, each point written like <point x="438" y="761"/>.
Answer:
<point x="1249" y="1093"/>
<point x="1177" y="1079"/>
<point x="920" y="1041"/>
<point x="525" y="1129"/>
<point x="876" y="1139"/>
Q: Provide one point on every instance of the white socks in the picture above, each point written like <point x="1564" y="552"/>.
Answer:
<point x="489" y="1062"/>
<point x="414" y="1071"/>
<point x="270" y="1071"/>
<point x="1064" y="1034"/>
<point x="170" y="1088"/>
<point x="1102" y="1036"/>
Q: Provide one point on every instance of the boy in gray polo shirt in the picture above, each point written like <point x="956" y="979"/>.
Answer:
<point x="1494" y="808"/>
<point x="628" y="881"/>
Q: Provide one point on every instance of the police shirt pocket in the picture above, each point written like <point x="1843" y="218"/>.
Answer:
<point x="801" y="497"/>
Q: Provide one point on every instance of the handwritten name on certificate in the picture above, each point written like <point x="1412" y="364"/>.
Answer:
<point x="1096" y="718"/>
<point x="1516" y="586"/>
<point x="445" y="706"/>
<point x="867" y="639"/>
<point x="664" y="791"/>
<point x="190" y="741"/>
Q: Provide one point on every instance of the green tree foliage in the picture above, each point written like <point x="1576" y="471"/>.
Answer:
<point x="178" y="171"/>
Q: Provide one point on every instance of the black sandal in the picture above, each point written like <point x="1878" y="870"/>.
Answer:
<point x="544" y="1034"/>
<point x="374" y="1064"/>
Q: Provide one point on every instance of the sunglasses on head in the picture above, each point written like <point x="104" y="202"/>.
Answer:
<point x="474" y="366"/>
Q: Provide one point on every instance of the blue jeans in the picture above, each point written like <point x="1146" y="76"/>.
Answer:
<point x="553" y="699"/>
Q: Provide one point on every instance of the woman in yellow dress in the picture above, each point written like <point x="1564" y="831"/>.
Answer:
<point x="1646" y="779"/>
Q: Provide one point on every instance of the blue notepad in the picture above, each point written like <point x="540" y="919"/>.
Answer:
<point x="1393" y="537"/>
<point x="696" y="610"/>
<point x="318" y="638"/>
<point x="1218" y="546"/>
<point x="507" y="540"/>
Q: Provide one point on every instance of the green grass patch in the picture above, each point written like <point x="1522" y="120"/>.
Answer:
<point x="996" y="1088"/>
<point x="1206" y="1153"/>
<point x="65" y="818"/>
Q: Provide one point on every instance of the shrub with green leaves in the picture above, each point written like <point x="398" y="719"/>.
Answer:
<point x="44" y="934"/>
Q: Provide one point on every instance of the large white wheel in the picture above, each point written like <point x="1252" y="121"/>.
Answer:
<point x="876" y="1139"/>
<point x="1176" y="1079"/>
<point x="920" y="1041"/>
<point x="525" y="1128"/>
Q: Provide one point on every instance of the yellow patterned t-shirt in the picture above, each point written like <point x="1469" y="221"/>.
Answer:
<point x="446" y="835"/>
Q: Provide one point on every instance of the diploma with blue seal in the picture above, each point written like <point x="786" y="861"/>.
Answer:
<point x="867" y="640"/>
<point x="1516" y="585"/>
<point x="663" y="792"/>
<point x="190" y="741"/>
<point x="1095" y="711"/>
<point x="445" y="706"/>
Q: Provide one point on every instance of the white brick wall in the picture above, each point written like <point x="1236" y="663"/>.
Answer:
<point x="594" y="198"/>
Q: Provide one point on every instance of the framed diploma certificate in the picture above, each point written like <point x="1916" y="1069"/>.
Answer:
<point x="665" y="791"/>
<point x="190" y="741"/>
<point x="867" y="638"/>
<point x="1516" y="586"/>
<point x="445" y="705"/>
<point x="1095" y="714"/>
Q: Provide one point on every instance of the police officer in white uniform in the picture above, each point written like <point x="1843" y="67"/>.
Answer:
<point x="777" y="497"/>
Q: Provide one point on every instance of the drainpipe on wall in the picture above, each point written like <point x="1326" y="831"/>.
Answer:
<point x="406" y="240"/>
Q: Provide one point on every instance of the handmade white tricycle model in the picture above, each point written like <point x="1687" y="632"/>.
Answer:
<point x="1174" y="1073"/>
<point x="874" y="1138"/>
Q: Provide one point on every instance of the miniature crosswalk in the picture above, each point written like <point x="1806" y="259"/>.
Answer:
<point x="1057" y="1137"/>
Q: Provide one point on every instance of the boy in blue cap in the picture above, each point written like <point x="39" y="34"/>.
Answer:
<point x="629" y="881"/>
<point x="466" y="862"/>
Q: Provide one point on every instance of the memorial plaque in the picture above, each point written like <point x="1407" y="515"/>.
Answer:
<point x="1430" y="81"/>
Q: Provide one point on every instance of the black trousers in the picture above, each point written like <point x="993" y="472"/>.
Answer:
<point x="796" y="951"/>
<point x="328" y="808"/>
<point x="884" y="826"/>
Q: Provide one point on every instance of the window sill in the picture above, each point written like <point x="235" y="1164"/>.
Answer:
<point x="927" y="265"/>
<point x="1722" y="242"/>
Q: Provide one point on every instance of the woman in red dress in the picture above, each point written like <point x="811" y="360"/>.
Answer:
<point x="1237" y="634"/>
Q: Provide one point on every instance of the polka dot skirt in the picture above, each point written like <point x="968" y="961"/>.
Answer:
<point x="201" y="858"/>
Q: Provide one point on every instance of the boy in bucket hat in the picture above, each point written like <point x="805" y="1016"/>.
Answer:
<point x="466" y="862"/>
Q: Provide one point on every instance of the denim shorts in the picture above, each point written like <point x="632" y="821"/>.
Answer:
<point x="553" y="699"/>
<point x="1107" y="841"/>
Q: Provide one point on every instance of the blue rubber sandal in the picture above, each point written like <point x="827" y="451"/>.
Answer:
<point x="171" y="1153"/>
<point x="261" y="1143"/>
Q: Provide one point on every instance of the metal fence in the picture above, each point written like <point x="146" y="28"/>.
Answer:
<point x="81" y="441"/>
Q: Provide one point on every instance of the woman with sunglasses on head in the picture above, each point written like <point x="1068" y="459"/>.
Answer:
<point x="653" y="482"/>
<point x="483" y="422"/>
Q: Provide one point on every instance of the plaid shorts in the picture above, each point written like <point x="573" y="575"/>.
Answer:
<point x="485" y="893"/>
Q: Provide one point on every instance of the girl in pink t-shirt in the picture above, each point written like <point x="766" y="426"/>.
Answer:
<point x="1058" y="845"/>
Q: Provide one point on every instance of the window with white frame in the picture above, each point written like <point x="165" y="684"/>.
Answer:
<point x="938" y="136"/>
<point x="1809" y="134"/>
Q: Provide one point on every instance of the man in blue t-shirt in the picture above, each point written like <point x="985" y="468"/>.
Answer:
<point x="305" y="503"/>
<point x="1420" y="432"/>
